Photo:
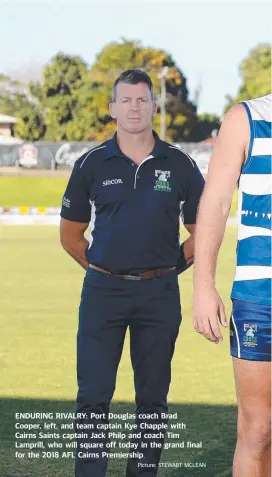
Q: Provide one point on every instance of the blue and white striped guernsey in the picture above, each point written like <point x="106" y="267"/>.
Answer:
<point x="252" y="282"/>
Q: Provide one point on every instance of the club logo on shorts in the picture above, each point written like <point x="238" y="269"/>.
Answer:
<point x="249" y="339"/>
<point x="162" y="183"/>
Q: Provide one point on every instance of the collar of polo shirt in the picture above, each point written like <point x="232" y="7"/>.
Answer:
<point x="113" y="150"/>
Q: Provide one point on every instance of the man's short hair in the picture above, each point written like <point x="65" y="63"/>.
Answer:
<point x="134" y="76"/>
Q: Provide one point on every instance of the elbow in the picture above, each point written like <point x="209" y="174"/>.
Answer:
<point x="65" y="243"/>
<point x="213" y="208"/>
<point x="65" y="237"/>
<point x="224" y="210"/>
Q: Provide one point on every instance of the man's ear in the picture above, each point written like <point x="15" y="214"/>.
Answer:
<point x="112" y="110"/>
<point x="155" y="108"/>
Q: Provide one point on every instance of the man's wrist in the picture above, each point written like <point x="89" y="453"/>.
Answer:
<point x="204" y="282"/>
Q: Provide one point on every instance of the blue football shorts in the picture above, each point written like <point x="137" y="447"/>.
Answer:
<point x="250" y="331"/>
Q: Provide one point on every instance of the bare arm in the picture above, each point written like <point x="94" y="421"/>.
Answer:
<point x="73" y="241"/>
<point x="187" y="250"/>
<point x="224" y="171"/>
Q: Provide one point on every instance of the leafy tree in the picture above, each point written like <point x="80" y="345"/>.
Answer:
<point x="59" y="96"/>
<point x="206" y="124"/>
<point x="255" y="71"/>
<point x="30" y="126"/>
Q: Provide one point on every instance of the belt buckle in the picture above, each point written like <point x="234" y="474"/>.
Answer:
<point x="132" y="277"/>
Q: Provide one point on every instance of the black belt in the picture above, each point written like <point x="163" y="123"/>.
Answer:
<point x="147" y="275"/>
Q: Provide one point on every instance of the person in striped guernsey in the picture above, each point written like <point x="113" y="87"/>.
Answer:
<point x="243" y="156"/>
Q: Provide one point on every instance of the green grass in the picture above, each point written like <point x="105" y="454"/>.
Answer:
<point x="32" y="191"/>
<point x="43" y="191"/>
<point x="40" y="291"/>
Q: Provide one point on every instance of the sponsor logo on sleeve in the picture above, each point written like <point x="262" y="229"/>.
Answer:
<point x="66" y="202"/>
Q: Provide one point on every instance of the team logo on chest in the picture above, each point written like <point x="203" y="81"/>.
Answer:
<point x="162" y="181"/>
<point x="250" y="340"/>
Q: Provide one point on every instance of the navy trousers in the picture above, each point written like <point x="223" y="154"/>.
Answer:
<point x="109" y="305"/>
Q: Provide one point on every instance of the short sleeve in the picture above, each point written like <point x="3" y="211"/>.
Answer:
<point x="193" y="191"/>
<point x="76" y="204"/>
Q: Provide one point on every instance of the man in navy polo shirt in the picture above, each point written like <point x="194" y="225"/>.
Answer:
<point x="133" y="189"/>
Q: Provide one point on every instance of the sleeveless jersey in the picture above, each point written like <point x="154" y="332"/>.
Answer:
<point x="252" y="282"/>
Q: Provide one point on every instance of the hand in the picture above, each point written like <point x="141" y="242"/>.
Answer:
<point x="208" y="311"/>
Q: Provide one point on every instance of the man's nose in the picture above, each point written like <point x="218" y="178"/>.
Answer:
<point x="134" y="105"/>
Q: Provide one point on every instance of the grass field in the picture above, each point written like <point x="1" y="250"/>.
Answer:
<point x="32" y="191"/>
<point x="40" y="291"/>
<point x="43" y="191"/>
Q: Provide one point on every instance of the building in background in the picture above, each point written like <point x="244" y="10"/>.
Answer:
<point x="6" y="130"/>
<point x="6" y="124"/>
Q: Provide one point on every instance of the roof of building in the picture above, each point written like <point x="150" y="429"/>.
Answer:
<point x="7" y="119"/>
<point x="9" y="140"/>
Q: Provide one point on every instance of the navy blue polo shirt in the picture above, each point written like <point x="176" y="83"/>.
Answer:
<point x="134" y="210"/>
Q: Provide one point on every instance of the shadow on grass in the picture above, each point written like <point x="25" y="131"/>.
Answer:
<point x="213" y="425"/>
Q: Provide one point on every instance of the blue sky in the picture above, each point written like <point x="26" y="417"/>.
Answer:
<point x="207" y="39"/>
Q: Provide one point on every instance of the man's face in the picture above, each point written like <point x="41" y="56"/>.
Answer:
<point x="133" y="108"/>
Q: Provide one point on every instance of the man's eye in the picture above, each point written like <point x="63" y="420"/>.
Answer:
<point x="125" y="101"/>
<point x="143" y="100"/>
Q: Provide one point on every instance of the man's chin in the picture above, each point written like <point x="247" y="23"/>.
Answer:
<point x="136" y="128"/>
